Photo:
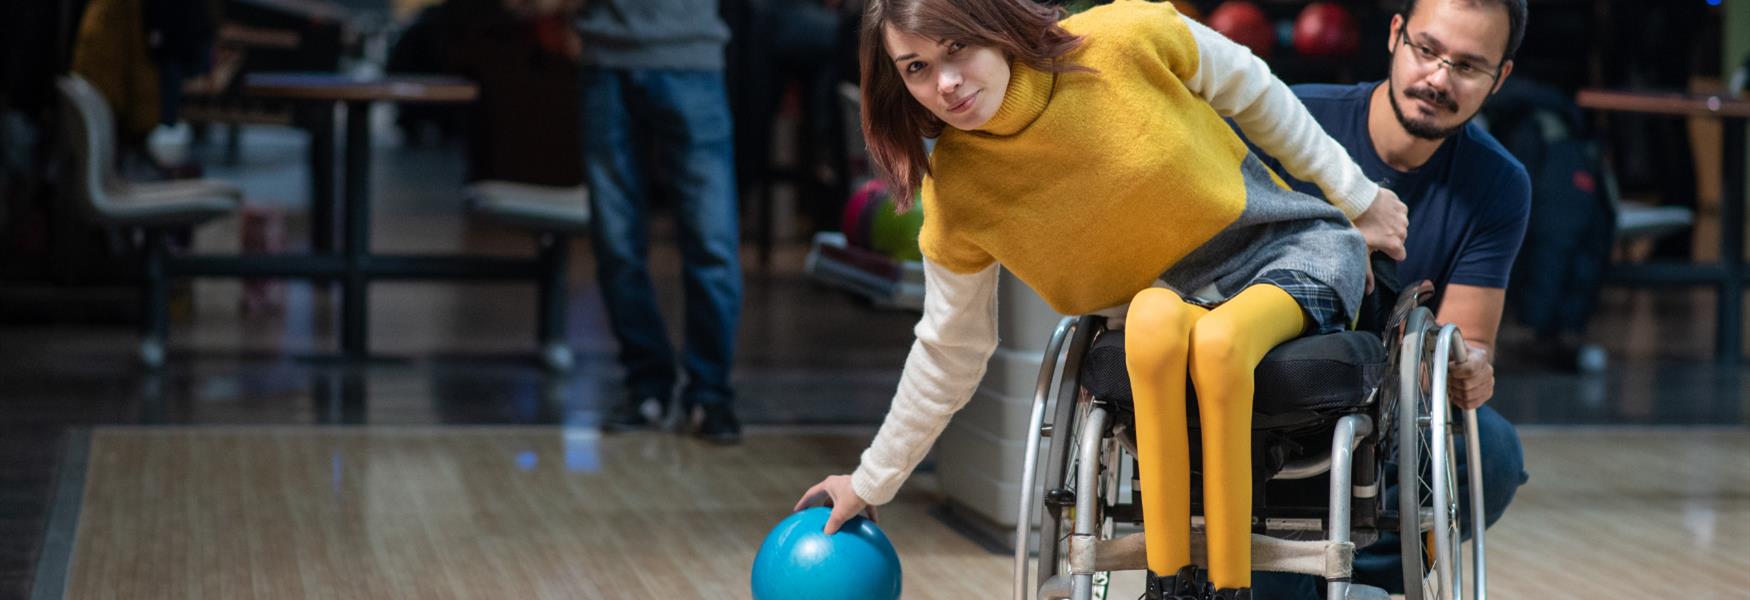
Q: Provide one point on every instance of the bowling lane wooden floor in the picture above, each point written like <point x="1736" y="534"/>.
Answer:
<point x="550" y="512"/>
<point x="477" y="512"/>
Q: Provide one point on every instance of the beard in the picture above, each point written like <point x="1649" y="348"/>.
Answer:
<point x="1426" y="130"/>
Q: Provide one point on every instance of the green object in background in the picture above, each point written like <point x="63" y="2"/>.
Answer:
<point x="894" y="234"/>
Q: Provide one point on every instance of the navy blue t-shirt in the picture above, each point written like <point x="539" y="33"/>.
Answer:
<point x="1468" y="204"/>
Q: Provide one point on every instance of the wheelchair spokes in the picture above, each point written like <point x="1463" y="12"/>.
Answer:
<point x="1066" y="494"/>
<point x="1059" y="394"/>
<point x="1061" y="494"/>
<point x="1454" y="538"/>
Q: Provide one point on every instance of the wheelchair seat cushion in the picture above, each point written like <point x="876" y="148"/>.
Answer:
<point x="1301" y="382"/>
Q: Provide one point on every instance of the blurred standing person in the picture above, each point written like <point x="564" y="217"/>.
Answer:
<point x="656" y="123"/>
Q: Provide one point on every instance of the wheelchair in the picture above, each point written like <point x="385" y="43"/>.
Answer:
<point x="1327" y="412"/>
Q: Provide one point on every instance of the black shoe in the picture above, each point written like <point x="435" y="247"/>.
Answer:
<point x="1188" y="584"/>
<point x="635" y="414"/>
<point x="1156" y="588"/>
<point x="1232" y="594"/>
<point x="720" y="425"/>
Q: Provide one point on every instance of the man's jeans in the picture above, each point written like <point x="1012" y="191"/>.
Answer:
<point x="1380" y="564"/>
<point x="665" y="134"/>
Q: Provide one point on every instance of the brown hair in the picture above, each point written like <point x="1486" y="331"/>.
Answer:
<point x="894" y="123"/>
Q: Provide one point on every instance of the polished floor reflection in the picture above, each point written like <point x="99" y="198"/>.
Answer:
<point x="480" y="512"/>
<point x="1627" y="513"/>
<point x="551" y="512"/>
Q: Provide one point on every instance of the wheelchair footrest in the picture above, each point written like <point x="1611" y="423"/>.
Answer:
<point x="1322" y="558"/>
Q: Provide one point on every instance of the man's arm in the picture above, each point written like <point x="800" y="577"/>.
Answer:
<point x="1477" y="291"/>
<point x="1477" y="313"/>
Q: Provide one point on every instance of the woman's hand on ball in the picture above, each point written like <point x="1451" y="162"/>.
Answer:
<point x="836" y="491"/>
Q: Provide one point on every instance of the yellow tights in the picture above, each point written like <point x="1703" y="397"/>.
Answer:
<point x="1168" y="340"/>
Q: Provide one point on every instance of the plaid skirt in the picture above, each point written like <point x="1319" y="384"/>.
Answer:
<point x="1318" y="301"/>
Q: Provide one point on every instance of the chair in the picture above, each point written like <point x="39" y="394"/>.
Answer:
<point x="555" y="215"/>
<point x="151" y="208"/>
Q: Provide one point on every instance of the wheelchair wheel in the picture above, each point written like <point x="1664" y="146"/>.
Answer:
<point x="1428" y="504"/>
<point x="1061" y="438"/>
<point x="1064" y="494"/>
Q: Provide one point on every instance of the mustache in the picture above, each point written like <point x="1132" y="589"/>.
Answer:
<point x="1431" y="96"/>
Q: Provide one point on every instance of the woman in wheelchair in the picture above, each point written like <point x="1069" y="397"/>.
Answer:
<point x="1089" y="157"/>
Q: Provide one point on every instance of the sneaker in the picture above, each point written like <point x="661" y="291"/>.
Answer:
<point x="720" y="425"/>
<point x="635" y="414"/>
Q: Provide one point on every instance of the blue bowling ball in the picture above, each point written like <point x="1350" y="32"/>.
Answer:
<point x="798" y="562"/>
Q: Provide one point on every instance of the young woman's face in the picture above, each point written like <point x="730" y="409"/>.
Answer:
<point x="962" y="85"/>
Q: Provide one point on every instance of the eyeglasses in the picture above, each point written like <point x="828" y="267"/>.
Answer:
<point x="1463" y="71"/>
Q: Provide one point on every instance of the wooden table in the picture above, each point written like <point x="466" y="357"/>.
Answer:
<point x="318" y="94"/>
<point x="1730" y="274"/>
<point x="354" y="265"/>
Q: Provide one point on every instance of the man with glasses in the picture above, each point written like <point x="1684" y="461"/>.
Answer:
<point x="1468" y="200"/>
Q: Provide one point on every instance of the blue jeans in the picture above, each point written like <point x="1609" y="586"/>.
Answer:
<point x="678" y="122"/>
<point x="1380" y="564"/>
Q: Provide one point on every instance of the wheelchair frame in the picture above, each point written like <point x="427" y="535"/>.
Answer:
<point x="1092" y="456"/>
